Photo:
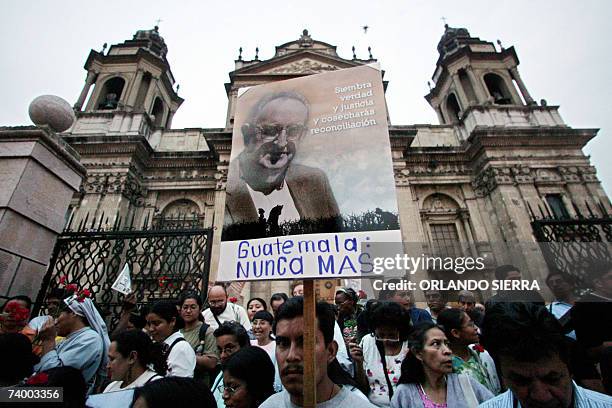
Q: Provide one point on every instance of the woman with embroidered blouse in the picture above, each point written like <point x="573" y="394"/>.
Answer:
<point x="427" y="380"/>
<point x="469" y="357"/>
<point x="378" y="358"/>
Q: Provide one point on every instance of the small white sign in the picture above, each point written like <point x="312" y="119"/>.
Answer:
<point x="123" y="283"/>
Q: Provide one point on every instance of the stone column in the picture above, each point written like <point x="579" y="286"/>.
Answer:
<point x="91" y="77"/>
<point x="519" y="81"/>
<point x="463" y="99"/>
<point x="135" y="88"/>
<point x="481" y="96"/>
<point x="39" y="175"/>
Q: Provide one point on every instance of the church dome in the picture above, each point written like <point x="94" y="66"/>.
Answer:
<point x="452" y="39"/>
<point x="155" y="42"/>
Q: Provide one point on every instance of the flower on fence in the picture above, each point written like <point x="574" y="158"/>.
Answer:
<point x="162" y="281"/>
<point x="63" y="279"/>
<point x="478" y="348"/>
<point x="233" y="299"/>
<point x="72" y="287"/>
<point x="82" y="294"/>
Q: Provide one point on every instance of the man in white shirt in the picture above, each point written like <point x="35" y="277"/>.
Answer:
<point x="290" y="358"/>
<point x="221" y="311"/>
<point x="562" y="287"/>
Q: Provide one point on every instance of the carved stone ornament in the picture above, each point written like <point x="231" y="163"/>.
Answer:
<point x="303" y="67"/>
<point x="115" y="183"/>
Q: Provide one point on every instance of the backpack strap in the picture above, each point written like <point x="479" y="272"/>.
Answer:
<point x="174" y="343"/>
<point x="202" y="332"/>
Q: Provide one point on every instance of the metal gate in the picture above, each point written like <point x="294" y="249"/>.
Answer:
<point x="571" y="244"/>
<point x="166" y="256"/>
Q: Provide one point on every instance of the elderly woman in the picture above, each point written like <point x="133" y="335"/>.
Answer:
<point x="427" y="380"/>
<point x="129" y="355"/>
<point x="248" y="378"/>
<point x="378" y="358"/>
<point x="468" y="356"/>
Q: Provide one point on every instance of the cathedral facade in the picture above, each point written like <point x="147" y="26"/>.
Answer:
<point x="468" y="185"/>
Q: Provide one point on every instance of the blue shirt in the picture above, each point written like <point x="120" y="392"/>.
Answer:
<point x="583" y="398"/>
<point x="81" y="349"/>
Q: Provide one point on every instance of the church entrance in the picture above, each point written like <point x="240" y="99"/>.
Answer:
<point x="166" y="256"/>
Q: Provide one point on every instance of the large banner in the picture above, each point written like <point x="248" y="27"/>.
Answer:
<point x="310" y="182"/>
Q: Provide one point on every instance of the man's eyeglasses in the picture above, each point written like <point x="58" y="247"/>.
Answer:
<point x="231" y="390"/>
<point x="216" y="302"/>
<point x="269" y="133"/>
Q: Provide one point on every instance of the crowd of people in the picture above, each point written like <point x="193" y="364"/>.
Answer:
<point x="512" y="350"/>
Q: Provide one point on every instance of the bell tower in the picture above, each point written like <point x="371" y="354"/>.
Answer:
<point x="132" y="80"/>
<point x="472" y="73"/>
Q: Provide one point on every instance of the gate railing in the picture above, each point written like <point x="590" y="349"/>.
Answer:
<point x="165" y="257"/>
<point x="572" y="244"/>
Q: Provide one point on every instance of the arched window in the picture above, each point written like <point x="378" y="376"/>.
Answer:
<point x="452" y="108"/>
<point x="497" y="89"/>
<point x="157" y="112"/>
<point x="111" y="93"/>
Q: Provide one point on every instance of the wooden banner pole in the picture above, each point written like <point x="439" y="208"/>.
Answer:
<point x="310" y="387"/>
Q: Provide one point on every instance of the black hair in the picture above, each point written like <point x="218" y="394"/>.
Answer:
<point x="175" y="391"/>
<point x="349" y="293"/>
<point x="387" y="294"/>
<point x="264" y="315"/>
<point x="148" y="352"/>
<point x="57" y="293"/>
<point x="138" y="320"/>
<point x="167" y="310"/>
<point x="294" y="307"/>
<point x="17" y="358"/>
<point x="524" y="331"/>
<point x="260" y="300"/>
<point x="278" y="296"/>
<point x="72" y="383"/>
<point x="451" y="319"/>
<point x="253" y="366"/>
<point x="190" y="295"/>
<point x="233" y="329"/>
<point x="412" y="368"/>
<point x="503" y="270"/>
<point x="390" y="314"/>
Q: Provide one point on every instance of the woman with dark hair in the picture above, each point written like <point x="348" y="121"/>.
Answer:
<point x="248" y="378"/>
<point x="164" y="322"/>
<point x="379" y="356"/>
<point x="254" y="305"/>
<point x="199" y="335"/>
<point x="173" y="392"/>
<point x="427" y="380"/>
<point x="262" y="329"/>
<point x="129" y="356"/>
<point x="69" y="379"/>
<point x="469" y="357"/>
<point x="348" y="311"/>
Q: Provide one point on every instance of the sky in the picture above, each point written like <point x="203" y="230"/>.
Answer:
<point x="563" y="46"/>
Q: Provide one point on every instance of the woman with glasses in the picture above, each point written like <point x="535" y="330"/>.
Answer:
<point x="248" y="378"/>
<point x="199" y="335"/>
<point x="163" y="323"/>
<point x="427" y="380"/>
<point x="468" y="356"/>
<point x="378" y="358"/>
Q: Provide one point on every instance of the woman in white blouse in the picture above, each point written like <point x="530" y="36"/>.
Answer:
<point x="163" y="323"/>
<point x="378" y="358"/>
<point x="130" y="355"/>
